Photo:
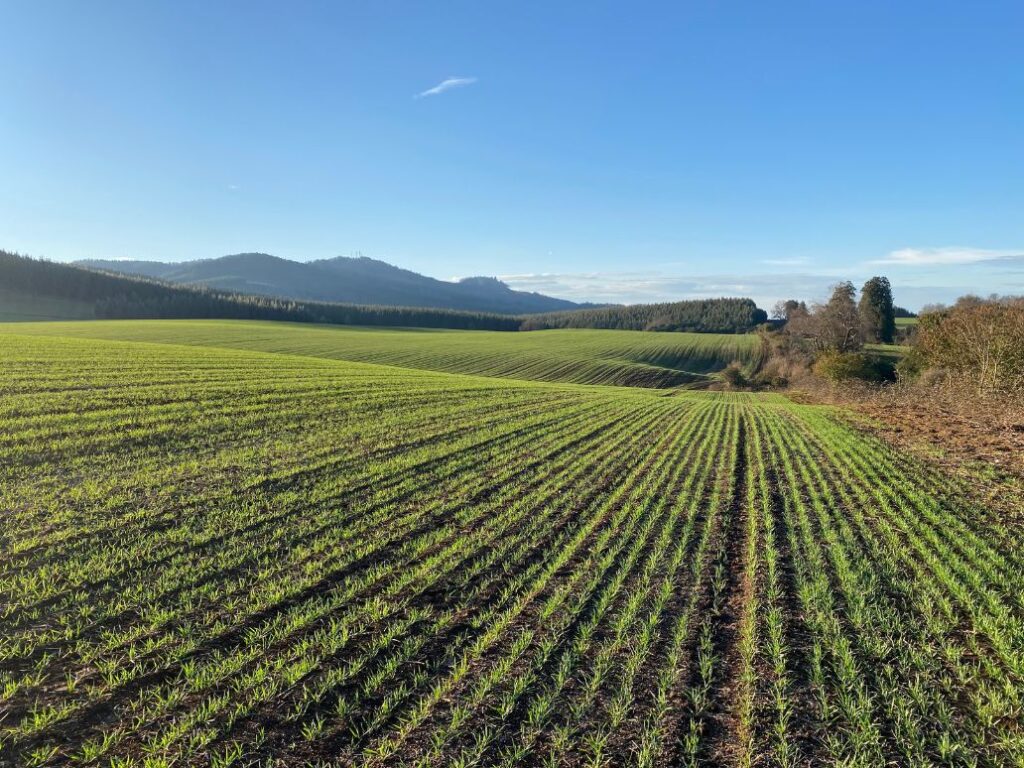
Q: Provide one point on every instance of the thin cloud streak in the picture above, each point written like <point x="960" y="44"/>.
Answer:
<point x="764" y="288"/>
<point x="648" y="287"/>
<point x="931" y="257"/>
<point x="446" y="85"/>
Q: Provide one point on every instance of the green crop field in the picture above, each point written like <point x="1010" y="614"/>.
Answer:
<point x="582" y="356"/>
<point x="241" y="547"/>
<point x="890" y="352"/>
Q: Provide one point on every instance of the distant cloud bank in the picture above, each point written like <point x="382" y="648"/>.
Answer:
<point x="953" y="272"/>
<point x="645" y="287"/>
<point x="948" y="256"/>
<point x="446" y="85"/>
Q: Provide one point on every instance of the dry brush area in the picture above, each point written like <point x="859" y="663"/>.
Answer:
<point x="223" y="557"/>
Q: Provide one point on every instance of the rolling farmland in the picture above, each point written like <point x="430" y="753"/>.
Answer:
<point x="241" y="544"/>
<point x="581" y="356"/>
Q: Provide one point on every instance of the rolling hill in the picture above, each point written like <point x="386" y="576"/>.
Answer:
<point x="343" y="279"/>
<point x="578" y="355"/>
<point x="33" y="289"/>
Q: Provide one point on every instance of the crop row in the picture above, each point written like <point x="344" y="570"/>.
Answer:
<point x="582" y="356"/>
<point x="217" y="557"/>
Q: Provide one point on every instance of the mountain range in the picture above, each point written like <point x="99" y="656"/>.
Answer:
<point x="350" y="280"/>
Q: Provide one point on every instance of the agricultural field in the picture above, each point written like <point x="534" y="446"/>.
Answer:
<point x="892" y="353"/>
<point x="581" y="356"/>
<point x="218" y="556"/>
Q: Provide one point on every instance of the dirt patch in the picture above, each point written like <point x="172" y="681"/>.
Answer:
<point x="724" y="730"/>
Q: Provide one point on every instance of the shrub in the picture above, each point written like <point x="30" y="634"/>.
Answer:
<point x="911" y="365"/>
<point x="776" y="373"/>
<point x="847" y="366"/>
<point x="933" y="377"/>
<point x="733" y="375"/>
<point x="978" y="340"/>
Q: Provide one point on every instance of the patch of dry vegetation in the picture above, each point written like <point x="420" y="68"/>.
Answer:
<point x="959" y="400"/>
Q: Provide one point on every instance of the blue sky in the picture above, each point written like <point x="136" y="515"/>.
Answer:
<point x="603" y="151"/>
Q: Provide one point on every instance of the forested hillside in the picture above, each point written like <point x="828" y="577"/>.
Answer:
<point x="83" y="293"/>
<point x="348" y="280"/>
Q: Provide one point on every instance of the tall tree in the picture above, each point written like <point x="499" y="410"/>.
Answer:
<point x="877" y="313"/>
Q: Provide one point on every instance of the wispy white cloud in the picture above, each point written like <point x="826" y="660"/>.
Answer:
<point x="446" y="85"/>
<point x="765" y="288"/>
<point x="952" y="255"/>
<point x="645" y="287"/>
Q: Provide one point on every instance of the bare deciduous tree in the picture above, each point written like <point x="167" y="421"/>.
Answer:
<point x="834" y="325"/>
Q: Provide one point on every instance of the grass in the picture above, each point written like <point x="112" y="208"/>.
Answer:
<point x="893" y="353"/>
<point x="629" y="358"/>
<point x="225" y="557"/>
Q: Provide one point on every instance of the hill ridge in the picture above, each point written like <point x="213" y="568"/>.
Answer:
<point x="340" y="279"/>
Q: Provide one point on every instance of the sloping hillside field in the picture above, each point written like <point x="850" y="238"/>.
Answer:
<point x="582" y="356"/>
<point x="220" y="557"/>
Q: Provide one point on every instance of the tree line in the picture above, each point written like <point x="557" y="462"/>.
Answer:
<point x="844" y="324"/>
<point x="978" y="341"/>
<point x="829" y="337"/>
<point x="703" y="316"/>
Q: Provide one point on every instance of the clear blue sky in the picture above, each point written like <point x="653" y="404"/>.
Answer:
<point x="626" y="151"/>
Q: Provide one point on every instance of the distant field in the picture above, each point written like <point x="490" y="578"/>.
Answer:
<point x="223" y="557"/>
<point x="582" y="356"/>
<point x="905" y="321"/>
<point x="892" y="352"/>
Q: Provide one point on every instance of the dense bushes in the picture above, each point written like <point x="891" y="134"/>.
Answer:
<point x="734" y="376"/>
<point x="704" y="315"/>
<point x="849" y="366"/>
<point x="980" y="340"/>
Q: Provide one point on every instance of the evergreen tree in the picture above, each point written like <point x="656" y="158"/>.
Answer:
<point x="877" y="313"/>
<point x="701" y="315"/>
